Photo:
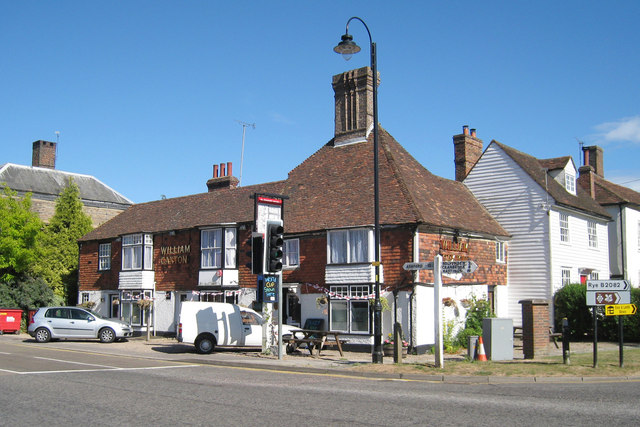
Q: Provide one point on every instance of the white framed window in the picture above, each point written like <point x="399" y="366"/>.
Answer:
<point x="564" y="228"/>
<point x="132" y="312"/>
<point x="500" y="252"/>
<point x="349" y="311"/>
<point x="594" y="275"/>
<point x="566" y="276"/>
<point x="349" y="246"/>
<point x="291" y="249"/>
<point x="104" y="256"/>
<point x="137" y="252"/>
<point x="570" y="182"/>
<point x="212" y="248"/>
<point x="85" y="297"/>
<point x="593" y="234"/>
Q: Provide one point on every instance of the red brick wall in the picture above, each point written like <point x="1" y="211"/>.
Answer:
<point x="313" y="261"/>
<point x="90" y="279"/>
<point x="176" y="269"/>
<point x="397" y="249"/>
<point x="482" y="252"/>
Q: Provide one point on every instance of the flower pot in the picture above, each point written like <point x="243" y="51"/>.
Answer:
<point x="387" y="350"/>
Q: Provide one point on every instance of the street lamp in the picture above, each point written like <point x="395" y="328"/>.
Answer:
<point x="347" y="47"/>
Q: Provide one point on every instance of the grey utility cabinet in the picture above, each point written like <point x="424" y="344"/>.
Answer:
<point x="497" y="335"/>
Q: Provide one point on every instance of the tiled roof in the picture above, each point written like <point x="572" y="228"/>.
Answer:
<point x="608" y="193"/>
<point x="534" y="168"/>
<point x="334" y="188"/>
<point x="555" y="163"/>
<point x="49" y="183"/>
<point x="217" y="207"/>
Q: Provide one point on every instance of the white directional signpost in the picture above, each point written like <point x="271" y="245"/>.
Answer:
<point x="439" y="267"/>
<point x="609" y="293"/>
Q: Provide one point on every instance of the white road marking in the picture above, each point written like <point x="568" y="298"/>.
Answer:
<point x="75" y="363"/>
<point x="96" y="370"/>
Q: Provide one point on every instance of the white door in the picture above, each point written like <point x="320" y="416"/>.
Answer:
<point x="251" y="329"/>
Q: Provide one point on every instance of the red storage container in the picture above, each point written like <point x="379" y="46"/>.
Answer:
<point x="10" y="319"/>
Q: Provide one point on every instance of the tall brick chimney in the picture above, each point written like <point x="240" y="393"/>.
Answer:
<point x="594" y="157"/>
<point x="353" y="105"/>
<point x="222" y="179"/>
<point x="44" y="154"/>
<point x="467" y="150"/>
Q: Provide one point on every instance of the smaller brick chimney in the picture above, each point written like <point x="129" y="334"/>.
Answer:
<point x="221" y="179"/>
<point x="586" y="180"/>
<point x="44" y="154"/>
<point x="594" y="157"/>
<point x="467" y="150"/>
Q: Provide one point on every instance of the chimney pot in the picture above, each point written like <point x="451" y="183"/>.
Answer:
<point x="465" y="130"/>
<point x="215" y="171"/>
<point x="222" y="172"/>
<point x="473" y="133"/>
<point x="229" y="169"/>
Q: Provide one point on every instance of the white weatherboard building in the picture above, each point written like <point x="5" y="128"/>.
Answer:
<point x="559" y="233"/>
<point x="623" y="204"/>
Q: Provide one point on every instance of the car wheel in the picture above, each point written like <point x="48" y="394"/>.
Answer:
<point x="205" y="344"/>
<point x="42" y="335"/>
<point x="107" y="335"/>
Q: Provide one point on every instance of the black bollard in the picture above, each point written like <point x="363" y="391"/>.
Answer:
<point x="565" y="342"/>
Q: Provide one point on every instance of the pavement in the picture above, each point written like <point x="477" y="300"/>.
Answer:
<point x="330" y="362"/>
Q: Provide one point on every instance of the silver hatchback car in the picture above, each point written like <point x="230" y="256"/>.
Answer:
<point x="74" y="322"/>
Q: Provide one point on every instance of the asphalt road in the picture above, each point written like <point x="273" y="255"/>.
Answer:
<point x="50" y="386"/>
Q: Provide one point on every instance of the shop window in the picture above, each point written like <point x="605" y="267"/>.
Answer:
<point x="104" y="256"/>
<point x="213" y="247"/>
<point x="349" y="246"/>
<point x="349" y="309"/>
<point x="137" y="252"/>
<point x="291" y="249"/>
<point x="131" y="311"/>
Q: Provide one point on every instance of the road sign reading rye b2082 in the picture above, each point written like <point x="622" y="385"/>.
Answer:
<point x="608" y="292"/>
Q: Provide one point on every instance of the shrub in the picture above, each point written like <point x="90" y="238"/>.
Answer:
<point x="570" y="301"/>
<point x="478" y="309"/>
<point x="608" y="328"/>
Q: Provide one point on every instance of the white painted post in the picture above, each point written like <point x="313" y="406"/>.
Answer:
<point x="437" y="309"/>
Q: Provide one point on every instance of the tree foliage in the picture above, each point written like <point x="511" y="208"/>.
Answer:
<point x="19" y="234"/>
<point x="58" y="261"/>
<point x="26" y="292"/>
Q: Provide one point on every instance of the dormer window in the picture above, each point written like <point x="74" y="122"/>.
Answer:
<point x="570" y="182"/>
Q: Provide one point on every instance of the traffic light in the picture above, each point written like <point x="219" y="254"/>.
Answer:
<point x="274" y="242"/>
<point x="257" y="253"/>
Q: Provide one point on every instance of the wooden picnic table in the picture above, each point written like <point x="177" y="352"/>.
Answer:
<point x="315" y="339"/>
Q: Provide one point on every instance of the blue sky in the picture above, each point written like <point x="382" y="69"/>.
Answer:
<point x="147" y="95"/>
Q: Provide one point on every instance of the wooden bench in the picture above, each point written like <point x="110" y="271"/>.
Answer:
<point x="553" y="336"/>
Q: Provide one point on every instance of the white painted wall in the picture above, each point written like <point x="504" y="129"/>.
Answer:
<point x="576" y="254"/>
<point x="517" y="203"/>
<point x="624" y="253"/>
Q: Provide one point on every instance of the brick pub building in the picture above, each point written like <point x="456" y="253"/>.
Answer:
<point x="198" y="247"/>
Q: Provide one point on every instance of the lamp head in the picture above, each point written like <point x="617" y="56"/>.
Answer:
<point x="347" y="47"/>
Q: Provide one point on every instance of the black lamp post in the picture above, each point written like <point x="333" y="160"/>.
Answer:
<point x="347" y="47"/>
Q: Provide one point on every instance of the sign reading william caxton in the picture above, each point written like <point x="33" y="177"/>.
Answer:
<point x="174" y="254"/>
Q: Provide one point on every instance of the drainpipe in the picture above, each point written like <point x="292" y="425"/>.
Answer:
<point x="622" y="253"/>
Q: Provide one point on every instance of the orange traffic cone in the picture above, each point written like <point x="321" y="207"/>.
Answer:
<point x="481" y="356"/>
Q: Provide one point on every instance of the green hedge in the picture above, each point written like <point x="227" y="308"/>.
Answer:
<point x="571" y="302"/>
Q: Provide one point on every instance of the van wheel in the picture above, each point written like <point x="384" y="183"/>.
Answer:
<point x="205" y="344"/>
<point x="42" y="335"/>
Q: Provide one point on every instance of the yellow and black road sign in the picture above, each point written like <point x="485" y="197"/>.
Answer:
<point x="620" y="310"/>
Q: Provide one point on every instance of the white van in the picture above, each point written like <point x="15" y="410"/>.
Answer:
<point x="208" y="324"/>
